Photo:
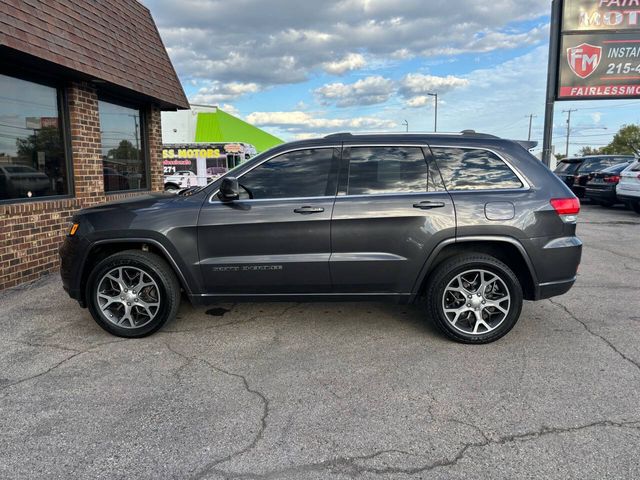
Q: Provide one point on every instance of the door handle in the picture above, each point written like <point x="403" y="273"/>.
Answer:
<point x="308" y="210"/>
<point x="428" y="205"/>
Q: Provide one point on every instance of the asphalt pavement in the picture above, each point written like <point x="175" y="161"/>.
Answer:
<point x="331" y="391"/>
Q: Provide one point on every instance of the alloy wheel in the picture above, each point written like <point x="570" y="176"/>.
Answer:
<point x="128" y="297"/>
<point x="476" y="302"/>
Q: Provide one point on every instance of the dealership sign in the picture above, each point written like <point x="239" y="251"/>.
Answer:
<point x="599" y="50"/>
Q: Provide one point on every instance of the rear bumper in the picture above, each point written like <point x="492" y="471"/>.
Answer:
<point x="608" y="195"/>
<point x="554" y="289"/>
<point x="556" y="262"/>
<point x="628" y="198"/>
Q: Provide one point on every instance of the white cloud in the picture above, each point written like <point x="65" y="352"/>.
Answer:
<point x="353" y="61"/>
<point x="419" y="101"/>
<point x="230" y="109"/>
<point x="217" y="92"/>
<point x="414" y="88"/>
<point x="367" y="91"/>
<point x="297" y="122"/>
<point x="418" y="84"/>
<point x="284" y="41"/>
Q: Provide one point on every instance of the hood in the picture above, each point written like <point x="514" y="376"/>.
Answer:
<point x="149" y="200"/>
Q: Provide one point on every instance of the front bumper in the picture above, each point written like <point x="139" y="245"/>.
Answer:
<point x="71" y="259"/>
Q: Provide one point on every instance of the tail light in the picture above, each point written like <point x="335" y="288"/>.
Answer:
<point x="567" y="208"/>
<point x="612" y="179"/>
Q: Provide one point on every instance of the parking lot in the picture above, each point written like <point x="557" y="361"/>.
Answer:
<point x="304" y="391"/>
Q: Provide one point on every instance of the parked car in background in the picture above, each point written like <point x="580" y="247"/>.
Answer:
<point x="113" y="180"/>
<point x="180" y="179"/>
<point x="576" y="172"/>
<point x="21" y="181"/>
<point x="602" y="186"/>
<point x="628" y="189"/>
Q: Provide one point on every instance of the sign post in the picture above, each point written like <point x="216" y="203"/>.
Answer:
<point x="552" y="80"/>
<point x="594" y="53"/>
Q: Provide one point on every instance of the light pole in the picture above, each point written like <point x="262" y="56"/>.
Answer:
<point x="435" y="125"/>
<point x="406" y="124"/>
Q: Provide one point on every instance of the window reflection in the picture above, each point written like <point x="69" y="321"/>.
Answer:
<point x="597" y="164"/>
<point x="32" y="159"/>
<point x="388" y="170"/>
<point x="124" y="166"/>
<point x="464" y="169"/>
<point x="300" y="174"/>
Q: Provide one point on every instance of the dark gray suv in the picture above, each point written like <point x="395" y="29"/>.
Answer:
<point x="468" y="224"/>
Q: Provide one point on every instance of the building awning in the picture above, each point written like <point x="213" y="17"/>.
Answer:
<point x="219" y="126"/>
<point x="114" y="42"/>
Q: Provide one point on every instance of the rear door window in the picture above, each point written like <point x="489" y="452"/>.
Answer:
<point x="376" y="170"/>
<point x="474" y="169"/>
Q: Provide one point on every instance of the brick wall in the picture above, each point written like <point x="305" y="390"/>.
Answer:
<point x="31" y="232"/>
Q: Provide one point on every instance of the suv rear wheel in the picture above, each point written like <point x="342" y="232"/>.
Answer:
<point x="132" y="293"/>
<point x="474" y="298"/>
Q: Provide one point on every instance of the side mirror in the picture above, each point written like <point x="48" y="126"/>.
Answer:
<point x="229" y="189"/>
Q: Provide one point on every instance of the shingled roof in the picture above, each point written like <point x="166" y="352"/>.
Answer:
<point x="115" y="41"/>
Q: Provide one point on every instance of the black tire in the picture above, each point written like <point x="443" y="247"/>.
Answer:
<point x="447" y="271"/>
<point x="171" y="186"/>
<point x="166" y="286"/>
<point x="635" y="206"/>
<point x="607" y="204"/>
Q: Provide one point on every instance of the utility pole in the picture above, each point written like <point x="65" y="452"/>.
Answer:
<point x="531" y="117"/>
<point x="568" y="127"/>
<point x="435" y="125"/>
<point x="406" y="124"/>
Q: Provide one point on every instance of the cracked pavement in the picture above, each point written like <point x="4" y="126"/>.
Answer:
<point x="331" y="391"/>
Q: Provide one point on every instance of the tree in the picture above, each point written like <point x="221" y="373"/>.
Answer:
<point x="584" y="151"/>
<point x="124" y="151"/>
<point x="625" y="142"/>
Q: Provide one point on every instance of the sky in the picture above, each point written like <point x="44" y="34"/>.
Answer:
<point x="303" y="69"/>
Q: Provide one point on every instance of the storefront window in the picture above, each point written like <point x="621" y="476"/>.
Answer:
<point x="123" y="159"/>
<point x="32" y="159"/>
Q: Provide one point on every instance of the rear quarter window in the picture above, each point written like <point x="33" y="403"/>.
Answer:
<point x="474" y="169"/>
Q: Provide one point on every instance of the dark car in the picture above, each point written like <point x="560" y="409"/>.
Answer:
<point x="602" y="186"/>
<point x="470" y="224"/>
<point x="576" y="172"/>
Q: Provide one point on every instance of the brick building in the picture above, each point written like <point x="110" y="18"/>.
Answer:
<point x="82" y="85"/>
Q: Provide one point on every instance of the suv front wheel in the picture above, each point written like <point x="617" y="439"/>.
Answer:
<point x="474" y="298"/>
<point x="132" y="293"/>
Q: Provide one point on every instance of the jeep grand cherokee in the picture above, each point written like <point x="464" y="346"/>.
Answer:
<point x="468" y="224"/>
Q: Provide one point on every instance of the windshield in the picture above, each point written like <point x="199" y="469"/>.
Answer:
<point x="567" y="167"/>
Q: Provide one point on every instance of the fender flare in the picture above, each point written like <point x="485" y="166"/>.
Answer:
<point x="475" y="238"/>
<point x="106" y="241"/>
